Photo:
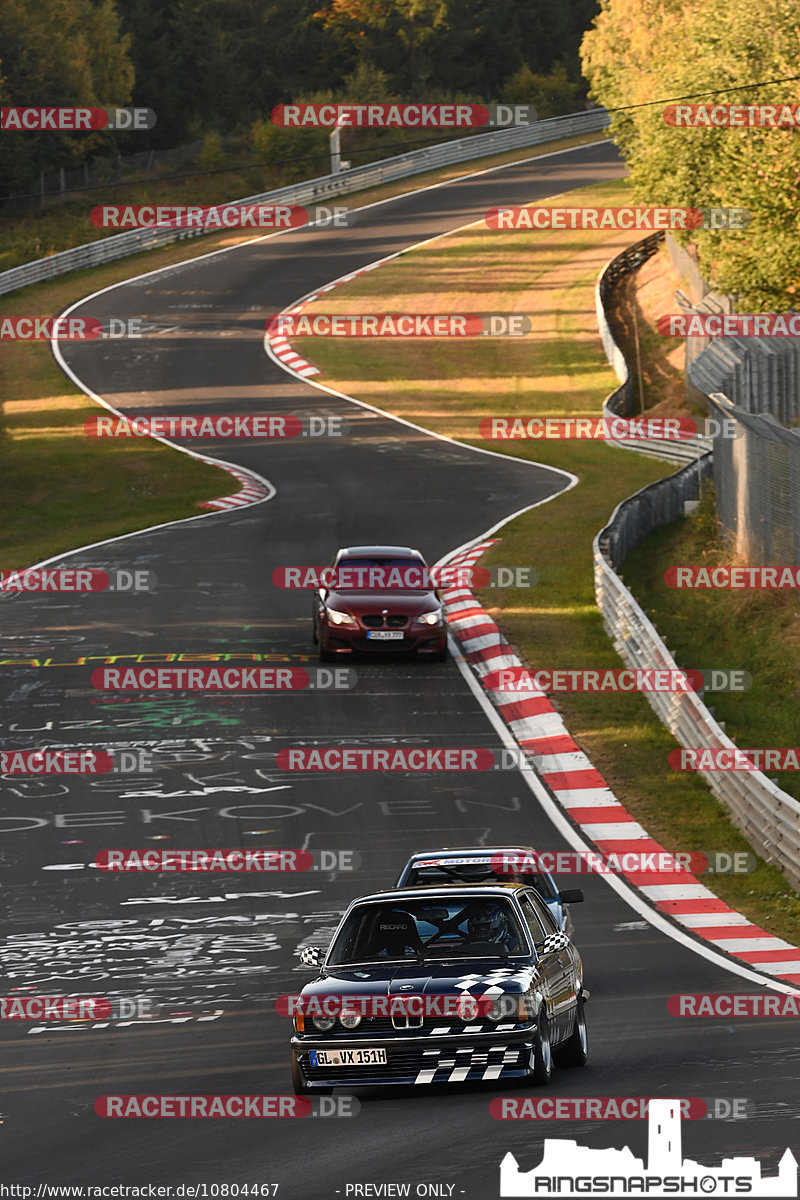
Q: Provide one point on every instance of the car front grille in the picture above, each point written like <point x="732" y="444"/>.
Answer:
<point x="391" y="621"/>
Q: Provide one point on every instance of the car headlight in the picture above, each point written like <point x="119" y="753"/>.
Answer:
<point x="350" y="1019"/>
<point x="341" y="618"/>
<point x="504" y="1008"/>
<point x="323" y="1024"/>
<point x="430" y="618"/>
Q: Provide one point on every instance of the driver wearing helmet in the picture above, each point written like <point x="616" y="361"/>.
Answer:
<point x="488" y="923"/>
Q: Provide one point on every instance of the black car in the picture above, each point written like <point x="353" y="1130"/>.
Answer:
<point x="492" y="864"/>
<point x="440" y="984"/>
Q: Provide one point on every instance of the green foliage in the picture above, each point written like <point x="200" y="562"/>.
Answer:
<point x="58" y="52"/>
<point x="551" y="94"/>
<point x="640" y="50"/>
<point x="212" y="154"/>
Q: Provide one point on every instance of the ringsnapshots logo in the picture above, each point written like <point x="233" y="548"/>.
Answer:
<point x="402" y="116"/>
<point x="728" y="116"/>
<point x="631" y="217"/>
<point x="223" y="679"/>
<point x="218" y="217"/>
<point x="75" y="761"/>
<point x="76" y="120"/>
<point x="236" y="861"/>
<point x="77" y="579"/>
<point x="398" y="325"/>
<point x="567" y="1169"/>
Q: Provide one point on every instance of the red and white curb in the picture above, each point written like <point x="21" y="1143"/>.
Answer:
<point x="588" y="800"/>
<point x="253" y="490"/>
<point x="281" y="347"/>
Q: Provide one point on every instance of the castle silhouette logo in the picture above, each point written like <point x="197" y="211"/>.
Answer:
<point x="568" y="1169"/>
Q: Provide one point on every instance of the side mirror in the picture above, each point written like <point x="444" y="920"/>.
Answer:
<point x="312" y="956"/>
<point x="572" y="896"/>
<point x="553" y="943"/>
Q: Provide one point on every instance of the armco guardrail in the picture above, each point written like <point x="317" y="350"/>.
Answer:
<point x="620" y="403"/>
<point x="443" y="154"/>
<point x="768" y="816"/>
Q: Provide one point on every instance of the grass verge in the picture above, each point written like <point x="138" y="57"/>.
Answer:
<point x="60" y="490"/>
<point x="559" y="369"/>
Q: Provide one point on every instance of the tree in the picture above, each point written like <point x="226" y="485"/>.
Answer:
<point x="643" y="50"/>
<point x="86" y="64"/>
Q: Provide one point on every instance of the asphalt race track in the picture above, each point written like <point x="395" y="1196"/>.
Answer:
<point x="211" y="953"/>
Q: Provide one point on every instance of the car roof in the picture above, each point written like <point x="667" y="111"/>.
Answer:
<point x="443" y="889"/>
<point x="472" y="851"/>
<point x="378" y="552"/>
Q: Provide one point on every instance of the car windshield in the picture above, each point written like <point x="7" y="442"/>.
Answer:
<point x="381" y="574"/>
<point x="441" y="871"/>
<point x="443" y="927"/>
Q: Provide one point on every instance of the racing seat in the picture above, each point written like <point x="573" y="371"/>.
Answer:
<point x="393" y="934"/>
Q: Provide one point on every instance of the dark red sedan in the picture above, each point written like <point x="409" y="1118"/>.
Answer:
<point x="379" y="599"/>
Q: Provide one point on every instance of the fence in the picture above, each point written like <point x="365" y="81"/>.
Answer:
<point x="621" y="401"/>
<point x="757" y="374"/>
<point x="414" y="162"/>
<point x="755" y="383"/>
<point x="768" y="817"/>
<point x="757" y="484"/>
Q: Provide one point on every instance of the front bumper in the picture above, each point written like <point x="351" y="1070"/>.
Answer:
<point x="336" y="640"/>
<point x="420" y="1060"/>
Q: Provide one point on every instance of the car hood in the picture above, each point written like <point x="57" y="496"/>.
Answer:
<point x="473" y="976"/>
<point x="395" y="601"/>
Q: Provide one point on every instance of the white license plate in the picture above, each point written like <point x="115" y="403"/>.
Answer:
<point x="385" y="635"/>
<point x="346" y="1058"/>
